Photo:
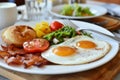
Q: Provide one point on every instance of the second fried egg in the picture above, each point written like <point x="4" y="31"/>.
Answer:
<point x="77" y="50"/>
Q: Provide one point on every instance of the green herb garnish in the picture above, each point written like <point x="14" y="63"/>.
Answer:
<point x="86" y="34"/>
<point x="65" y="32"/>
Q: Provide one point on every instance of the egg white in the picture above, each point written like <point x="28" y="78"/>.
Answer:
<point x="82" y="55"/>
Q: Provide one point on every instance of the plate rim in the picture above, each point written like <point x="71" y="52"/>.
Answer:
<point x="66" y="72"/>
<point x="73" y="17"/>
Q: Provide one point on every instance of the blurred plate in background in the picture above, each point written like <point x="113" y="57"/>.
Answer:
<point x="95" y="9"/>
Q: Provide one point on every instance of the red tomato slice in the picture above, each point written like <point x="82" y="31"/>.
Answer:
<point x="36" y="45"/>
<point x="55" y="25"/>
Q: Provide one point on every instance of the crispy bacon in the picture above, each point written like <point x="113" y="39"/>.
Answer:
<point x="18" y="60"/>
<point x="4" y="54"/>
<point x="17" y="56"/>
<point x="35" y="60"/>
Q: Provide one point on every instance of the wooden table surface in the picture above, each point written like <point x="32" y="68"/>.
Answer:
<point x="104" y="72"/>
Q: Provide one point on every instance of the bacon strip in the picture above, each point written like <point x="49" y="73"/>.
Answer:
<point x="17" y="56"/>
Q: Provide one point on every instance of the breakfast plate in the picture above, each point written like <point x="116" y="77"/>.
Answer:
<point x="64" y="69"/>
<point x="95" y="9"/>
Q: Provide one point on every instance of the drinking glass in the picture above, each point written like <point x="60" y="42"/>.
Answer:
<point x="35" y="9"/>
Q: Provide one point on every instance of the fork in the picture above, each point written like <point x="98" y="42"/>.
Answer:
<point x="112" y="35"/>
<point x="69" y="22"/>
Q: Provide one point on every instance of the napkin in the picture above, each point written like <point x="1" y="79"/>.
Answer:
<point x="113" y="9"/>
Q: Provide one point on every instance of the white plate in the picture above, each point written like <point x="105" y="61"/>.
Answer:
<point x="62" y="69"/>
<point x="95" y="9"/>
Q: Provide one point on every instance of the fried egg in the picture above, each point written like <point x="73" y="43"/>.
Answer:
<point x="77" y="50"/>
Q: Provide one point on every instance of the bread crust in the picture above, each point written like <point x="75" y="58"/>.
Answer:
<point x="18" y="34"/>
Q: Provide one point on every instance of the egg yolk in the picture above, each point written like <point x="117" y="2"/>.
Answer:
<point x="86" y="44"/>
<point x="64" y="51"/>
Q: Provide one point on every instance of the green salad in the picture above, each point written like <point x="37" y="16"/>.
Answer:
<point x="75" y="10"/>
<point x="64" y="33"/>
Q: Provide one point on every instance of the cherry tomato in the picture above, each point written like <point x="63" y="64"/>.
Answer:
<point x="55" y="25"/>
<point x="36" y="45"/>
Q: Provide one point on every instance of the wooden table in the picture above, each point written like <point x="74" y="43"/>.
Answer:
<point x="104" y="72"/>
